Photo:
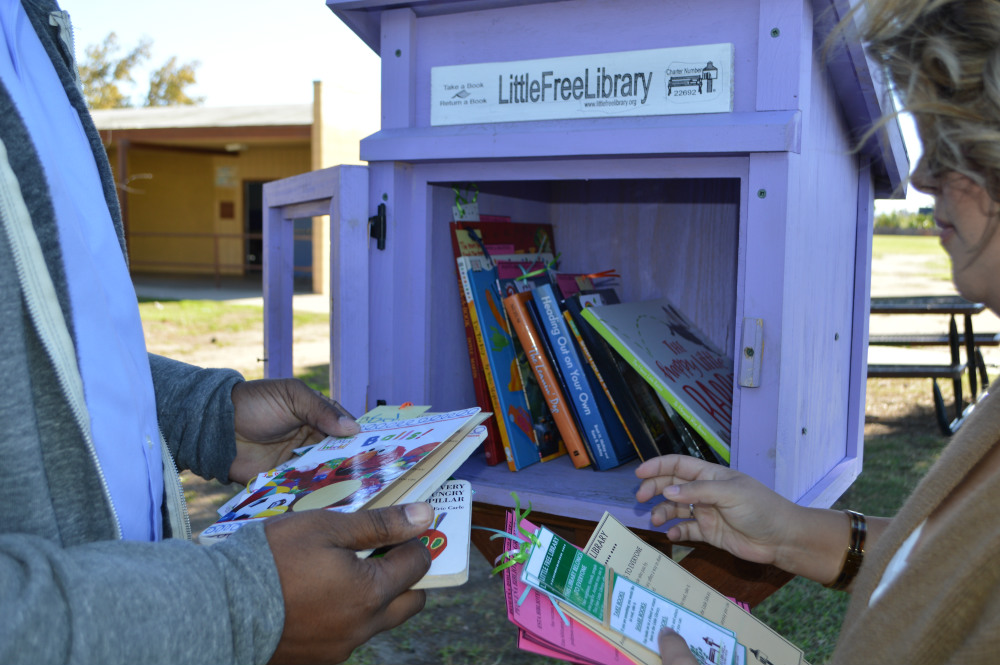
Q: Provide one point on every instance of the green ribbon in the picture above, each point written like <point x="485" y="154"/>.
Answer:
<point x="551" y="265"/>
<point x="520" y="555"/>
<point x="459" y="199"/>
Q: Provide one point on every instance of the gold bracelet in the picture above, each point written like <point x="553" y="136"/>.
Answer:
<point x="855" y="552"/>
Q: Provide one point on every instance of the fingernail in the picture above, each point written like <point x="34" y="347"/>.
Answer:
<point x="673" y="490"/>
<point x="419" y="514"/>
<point x="349" y="423"/>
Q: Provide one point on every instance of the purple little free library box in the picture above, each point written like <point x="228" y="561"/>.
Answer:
<point x="706" y="151"/>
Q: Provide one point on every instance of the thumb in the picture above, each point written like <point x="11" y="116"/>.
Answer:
<point x="370" y="529"/>
<point x="323" y="413"/>
<point x="673" y="649"/>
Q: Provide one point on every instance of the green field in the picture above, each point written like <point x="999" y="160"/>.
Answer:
<point x="883" y="245"/>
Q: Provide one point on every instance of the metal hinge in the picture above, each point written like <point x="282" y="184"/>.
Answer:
<point x="376" y="224"/>
<point x="751" y="351"/>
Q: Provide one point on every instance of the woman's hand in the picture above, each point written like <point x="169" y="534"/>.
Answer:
<point x="734" y="512"/>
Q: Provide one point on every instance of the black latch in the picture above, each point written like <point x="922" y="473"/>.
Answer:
<point x="376" y="224"/>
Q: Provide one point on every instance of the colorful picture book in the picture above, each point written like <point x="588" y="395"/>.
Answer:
<point x="487" y="240"/>
<point x="447" y="539"/>
<point x="482" y="262"/>
<point x="678" y="360"/>
<point x="503" y="377"/>
<point x="514" y="277"/>
<point x="386" y="463"/>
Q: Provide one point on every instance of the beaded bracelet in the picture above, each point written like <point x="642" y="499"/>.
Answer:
<point x="855" y="552"/>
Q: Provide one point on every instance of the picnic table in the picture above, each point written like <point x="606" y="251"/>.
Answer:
<point x="953" y="306"/>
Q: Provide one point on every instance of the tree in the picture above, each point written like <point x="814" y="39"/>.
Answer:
<point x="167" y="85"/>
<point x="106" y="76"/>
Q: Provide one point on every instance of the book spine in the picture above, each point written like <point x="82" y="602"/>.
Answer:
<point x="720" y="448"/>
<point x="493" y="446"/>
<point x="520" y="320"/>
<point x="637" y="435"/>
<point x="574" y="378"/>
<point x="498" y="418"/>
<point x="498" y="354"/>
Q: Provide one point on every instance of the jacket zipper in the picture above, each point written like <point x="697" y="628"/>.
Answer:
<point x="43" y="308"/>
<point x="173" y="492"/>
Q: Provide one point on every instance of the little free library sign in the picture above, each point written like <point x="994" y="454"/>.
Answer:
<point x="667" y="81"/>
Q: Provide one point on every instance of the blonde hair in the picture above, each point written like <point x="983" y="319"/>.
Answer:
<point x="943" y="57"/>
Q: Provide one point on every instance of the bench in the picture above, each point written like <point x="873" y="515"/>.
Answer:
<point x="978" y="339"/>
<point x="952" y="306"/>
<point x="684" y="81"/>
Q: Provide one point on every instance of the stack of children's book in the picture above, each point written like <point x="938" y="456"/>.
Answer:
<point x="568" y="369"/>
<point x="401" y="455"/>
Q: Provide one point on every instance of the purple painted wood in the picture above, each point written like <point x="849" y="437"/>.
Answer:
<point x="761" y="213"/>
<point x="278" y="266"/>
<point x="342" y="193"/>
<point x="349" y="287"/>
<point x="784" y="47"/>
<point x="398" y="65"/>
<point x="755" y="425"/>
<point x="558" y="488"/>
<point x="682" y="135"/>
<point x="469" y="31"/>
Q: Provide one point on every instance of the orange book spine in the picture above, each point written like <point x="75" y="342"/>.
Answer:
<point x="520" y="321"/>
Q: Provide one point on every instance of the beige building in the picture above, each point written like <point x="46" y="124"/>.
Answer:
<point x="190" y="182"/>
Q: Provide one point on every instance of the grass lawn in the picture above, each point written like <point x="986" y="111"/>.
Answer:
<point x="907" y="245"/>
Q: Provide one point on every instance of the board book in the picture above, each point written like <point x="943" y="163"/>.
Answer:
<point x="677" y="359"/>
<point x="447" y="539"/>
<point x="386" y="463"/>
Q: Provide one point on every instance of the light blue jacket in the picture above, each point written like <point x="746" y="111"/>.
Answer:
<point x="70" y="589"/>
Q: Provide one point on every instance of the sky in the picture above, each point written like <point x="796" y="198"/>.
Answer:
<point x="252" y="52"/>
<point x="256" y="52"/>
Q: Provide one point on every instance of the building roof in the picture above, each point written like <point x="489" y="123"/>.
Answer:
<point x="172" y="117"/>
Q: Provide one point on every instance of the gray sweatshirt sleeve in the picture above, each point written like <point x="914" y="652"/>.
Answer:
<point x="132" y="602"/>
<point x="195" y="410"/>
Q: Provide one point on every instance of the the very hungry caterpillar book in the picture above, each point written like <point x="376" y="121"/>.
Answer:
<point x="386" y="463"/>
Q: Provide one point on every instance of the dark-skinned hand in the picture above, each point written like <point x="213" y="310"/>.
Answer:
<point x="334" y="601"/>
<point x="276" y="416"/>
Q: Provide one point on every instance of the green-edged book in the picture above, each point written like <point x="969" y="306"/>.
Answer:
<point x="675" y="358"/>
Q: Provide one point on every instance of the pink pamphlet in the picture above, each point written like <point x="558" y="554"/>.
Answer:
<point x="542" y="628"/>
